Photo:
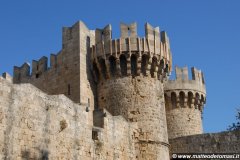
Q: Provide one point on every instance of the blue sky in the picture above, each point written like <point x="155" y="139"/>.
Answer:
<point x="203" y="33"/>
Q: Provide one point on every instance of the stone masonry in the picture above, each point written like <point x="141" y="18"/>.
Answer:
<point x="106" y="99"/>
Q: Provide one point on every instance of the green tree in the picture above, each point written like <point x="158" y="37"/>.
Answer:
<point x="235" y="126"/>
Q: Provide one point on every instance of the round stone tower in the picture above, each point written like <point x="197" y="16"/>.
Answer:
<point x="184" y="100"/>
<point x="129" y="74"/>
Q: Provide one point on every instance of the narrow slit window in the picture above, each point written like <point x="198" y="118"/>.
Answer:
<point x="69" y="89"/>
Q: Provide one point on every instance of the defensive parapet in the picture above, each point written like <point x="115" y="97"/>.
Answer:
<point x="130" y="54"/>
<point x="128" y="72"/>
<point x="39" y="68"/>
<point x="21" y="73"/>
<point x="68" y="72"/>
<point x="184" y="101"/>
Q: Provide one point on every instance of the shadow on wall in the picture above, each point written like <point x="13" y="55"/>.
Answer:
<point x="90" y="74"/>
<point x="26" y="155"/>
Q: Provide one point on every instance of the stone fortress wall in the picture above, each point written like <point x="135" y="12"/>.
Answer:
<point x="224" y="142"/>
<point x="104" y="98"/>
<point x="35" y="125"/>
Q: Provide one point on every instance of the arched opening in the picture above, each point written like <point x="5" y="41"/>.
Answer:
<point x="153" y="66"/>
<point x="103" y="67"/>
<point x="174" y="100"/>
<point x="112" y="61"/>
<point x="134" y="65"/>
<point x="202" y="98"/>
<point x="160" y="68"/>
<point x="95" y="72"/>
<point x="181" y="98"/>
<point x="190" y="97"/>
<point x="123" y="65"/>
<point x="161" y="65"/>
<point x="166" y="102"/>
<point x="197" y="99"/>
<point x="166" y="68"/>
<point x="144" y="64"/>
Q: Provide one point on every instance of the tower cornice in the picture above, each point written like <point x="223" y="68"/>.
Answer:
<point x="149" y="55"/>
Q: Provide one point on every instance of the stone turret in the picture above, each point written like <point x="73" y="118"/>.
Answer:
<point x="129" y="72"/>
<point x="184" y="101"/>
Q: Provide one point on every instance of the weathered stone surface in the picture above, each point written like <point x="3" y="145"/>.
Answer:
<point x="142" y="105"/>
<point x="223" y="142"/>
<point x="35" y="125"/>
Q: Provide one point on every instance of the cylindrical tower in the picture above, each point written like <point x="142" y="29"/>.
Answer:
<point x="129" y="73"/>
<point x="184" y="100"/>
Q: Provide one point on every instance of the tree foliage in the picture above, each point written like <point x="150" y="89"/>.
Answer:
<point x="235" y="126"/>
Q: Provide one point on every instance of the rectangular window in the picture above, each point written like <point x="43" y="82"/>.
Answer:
<point x="94" y="135"/>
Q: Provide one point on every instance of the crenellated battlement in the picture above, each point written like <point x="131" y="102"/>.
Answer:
<point x="20" y="73"/>
<point x="186" y="92"/>
<point x="130" y="54"/>
<point x="39" y="68"/>
<point x="66" y="67"/>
